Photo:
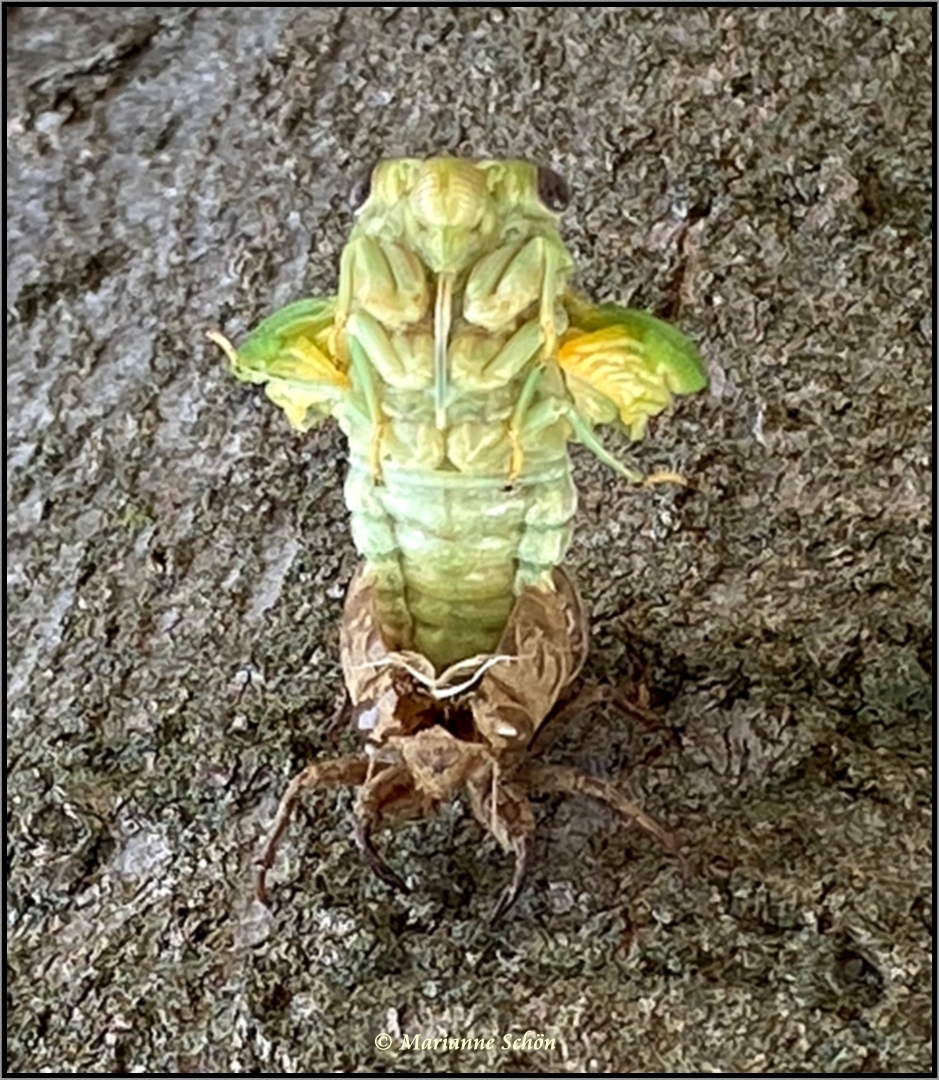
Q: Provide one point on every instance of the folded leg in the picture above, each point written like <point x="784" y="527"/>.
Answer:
<point x="585" y="698"/>
<point x="387" y="796"/>
<point x="558" y="719"/>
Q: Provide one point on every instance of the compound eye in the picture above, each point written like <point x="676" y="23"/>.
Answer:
<point x="361" y="188"/>
<point x="552" y="189"/>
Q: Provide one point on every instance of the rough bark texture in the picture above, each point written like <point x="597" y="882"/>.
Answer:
<point x="177" y="557"/>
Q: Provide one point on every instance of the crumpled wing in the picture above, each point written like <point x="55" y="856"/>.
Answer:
<point x="625" y="365"/>
<point x="289" y="353"/>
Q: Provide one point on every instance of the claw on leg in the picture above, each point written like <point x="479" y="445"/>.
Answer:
<point x="388" y="794"/>
<point x="523" y="853"/>
<point x="505" y="811"/>
<point x="561" y="779"/>
<point x="378" y="866"/>
<point x="340" y="717"/>
<point x="344" y="771"/>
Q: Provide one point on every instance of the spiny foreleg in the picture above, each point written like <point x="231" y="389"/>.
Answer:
<point x="388" y="793"/>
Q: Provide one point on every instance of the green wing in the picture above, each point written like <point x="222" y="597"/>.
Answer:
<point x="290" y="353"/>
<point x="625" y="365"/>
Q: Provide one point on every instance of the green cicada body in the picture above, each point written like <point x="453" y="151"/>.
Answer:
<point x="459" y="365"/>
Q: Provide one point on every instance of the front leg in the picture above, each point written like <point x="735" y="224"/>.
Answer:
<point x="385" y="280"/>
<point x="367" y="383"/>
<point x="504" y="811"/>
<point x="504" y="284"/>
<point x="337" y="772"/>
<point x="380" y="361"/>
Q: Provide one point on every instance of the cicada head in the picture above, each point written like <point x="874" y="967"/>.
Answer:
<point x="439" y="764"/>
<point x="449" y="210"/>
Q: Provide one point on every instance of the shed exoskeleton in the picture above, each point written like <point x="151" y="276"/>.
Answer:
<point x="429" y="737"/>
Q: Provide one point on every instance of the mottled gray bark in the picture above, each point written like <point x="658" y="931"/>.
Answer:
<point x="761" y="176"/>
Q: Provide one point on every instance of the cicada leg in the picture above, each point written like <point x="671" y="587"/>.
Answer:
<point x="378" y="866"/>
<point x="366" y="379"/>
<point x="517" y="421"/>
<point x="340" y="717"/>
<point x="504" y="810"/>
<point x="512" y="891"/>
<point x="547" y="319"/>
<point x="528" y="419"/>
<point x="585" y="435"/>
<point x="338" y="772"/>
<point x="561" y="779"/>
<point x="389" y="793"/>
<point x="549" y="292"/>
<point x="520" y="351"/>
<point x="587" y="696"/>
<point x="377" y="364"/>
<point x="555" y="723"/>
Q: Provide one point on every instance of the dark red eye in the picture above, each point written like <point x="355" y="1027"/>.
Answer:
<point x="361" y="188"/>
<point x="552" y="189"/>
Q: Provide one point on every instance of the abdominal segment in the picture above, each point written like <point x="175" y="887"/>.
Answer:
<point x="451" y="551"/>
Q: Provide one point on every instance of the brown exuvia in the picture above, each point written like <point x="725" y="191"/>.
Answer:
<point x="429" y="738"/>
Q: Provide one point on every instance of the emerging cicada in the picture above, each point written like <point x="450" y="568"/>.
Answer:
<point x="459" y="365"/>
